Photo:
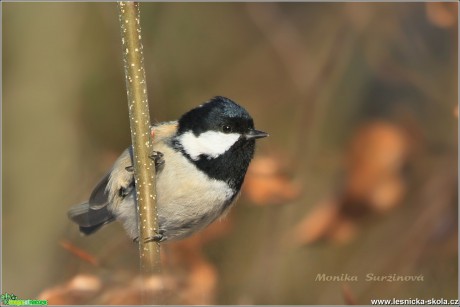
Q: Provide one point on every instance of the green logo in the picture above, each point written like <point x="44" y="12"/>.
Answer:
<point x="6" y="297"/>
<point x="11" y="299"/>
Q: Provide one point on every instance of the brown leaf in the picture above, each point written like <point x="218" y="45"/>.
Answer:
<point x="57" y="296"/>
<point x="317" y="224"/>
<point x="441" y="14"/>
<point x="375" y="159"/>
<point x="387" y="194"/>
<point x="344" y="231"/>
<point x="77" y="291"/>
<point x="266" y="183"/>
<point x="201" y="285"/>
<point x="85" y="283"/>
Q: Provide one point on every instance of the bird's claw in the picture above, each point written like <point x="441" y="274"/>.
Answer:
<point x="158" y="237"/>
<point x="157" y="157"/>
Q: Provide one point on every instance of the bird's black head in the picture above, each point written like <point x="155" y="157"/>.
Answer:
<point x="219" y="138"/>
<point x="220" y="114"/>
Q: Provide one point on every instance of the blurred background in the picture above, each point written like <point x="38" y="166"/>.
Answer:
<point x="359" y="175"/>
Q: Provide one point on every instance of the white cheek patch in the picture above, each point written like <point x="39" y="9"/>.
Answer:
<point x="211" y="143"/>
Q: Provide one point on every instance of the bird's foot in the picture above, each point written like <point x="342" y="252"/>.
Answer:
<point x="157" y="157"/>
<point x="158" y="237"/>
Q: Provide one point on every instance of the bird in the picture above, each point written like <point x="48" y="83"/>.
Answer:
<point x="201" y="161"/>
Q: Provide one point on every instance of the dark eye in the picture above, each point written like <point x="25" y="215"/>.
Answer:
<point x="226" y="129"/>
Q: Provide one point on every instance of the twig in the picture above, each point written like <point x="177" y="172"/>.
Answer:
<point x="80" y="253"/>
<point x="144" y="167"/>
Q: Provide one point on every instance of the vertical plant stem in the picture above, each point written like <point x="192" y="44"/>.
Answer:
<point x="139" y="116"/>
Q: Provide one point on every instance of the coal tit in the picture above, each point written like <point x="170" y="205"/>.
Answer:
<point x="201" y="162"/>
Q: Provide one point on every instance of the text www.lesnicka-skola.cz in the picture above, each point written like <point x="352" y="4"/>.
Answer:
<point x="415" y="301"/>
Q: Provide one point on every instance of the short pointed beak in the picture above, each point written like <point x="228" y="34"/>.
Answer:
<point x="255" y="134"/>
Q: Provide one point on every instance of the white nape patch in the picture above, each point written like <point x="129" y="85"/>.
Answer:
<point x="211" y="143"/>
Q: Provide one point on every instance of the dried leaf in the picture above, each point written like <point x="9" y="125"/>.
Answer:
<point x="57" y="296"/>
<point x="344" y="231"/>
<point x="376" y="157"/>
<point x="77" y="291"/>
<point x="441" y="14"/>
<point x="85" y="283"/>
<point x="266" y="183"/>
<point x="317" y="224"/>
<point x="387" y="194"/>
<point x="201" y="285"/>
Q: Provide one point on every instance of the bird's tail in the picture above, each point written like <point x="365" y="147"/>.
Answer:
<point x="90" y="219"/>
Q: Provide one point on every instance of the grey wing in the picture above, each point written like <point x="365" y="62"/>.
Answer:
<point x="99" y="196"/>
<point x="94" y="214"/>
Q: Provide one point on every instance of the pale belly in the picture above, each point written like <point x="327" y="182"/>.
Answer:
<point x="187" y="200"/>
